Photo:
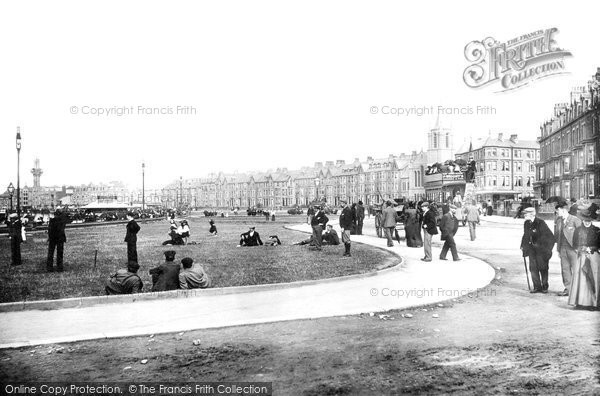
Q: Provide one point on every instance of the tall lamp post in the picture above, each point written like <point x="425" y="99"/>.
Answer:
<point x="143" y="187"/>
<point x="18" y="141"/>
<point x="180" y="190"/>
<point x="11" y="191"/>
<point x="317" y="181"/>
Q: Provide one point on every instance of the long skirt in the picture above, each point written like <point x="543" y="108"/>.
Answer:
<point x="585" y="285"/>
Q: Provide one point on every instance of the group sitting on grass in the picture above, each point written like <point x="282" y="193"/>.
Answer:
<point x="178" y="235"/>
<point x="330" y="237"/>
<point x="167" y="276"/>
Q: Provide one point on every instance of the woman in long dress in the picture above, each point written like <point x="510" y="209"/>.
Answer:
<point x="585" y="286"/>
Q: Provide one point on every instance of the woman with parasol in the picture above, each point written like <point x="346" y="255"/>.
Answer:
<point x="585" y="286"/>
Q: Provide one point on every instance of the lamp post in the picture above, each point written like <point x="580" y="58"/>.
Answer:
<point x="18" y="142"/>
<point x="180" y="190"/>
<point x="317" y="181"/>
<point x="11" y="191"/>
<point x="143" y="187"/>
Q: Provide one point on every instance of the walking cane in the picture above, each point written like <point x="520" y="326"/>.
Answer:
<point x="526" y="273"/>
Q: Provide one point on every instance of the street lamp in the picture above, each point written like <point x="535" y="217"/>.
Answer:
<point x="18" y="141"/>
<point x="11" y="191"/>
<point x="143" y="187"/>
<point x="180" y="190"/>
<point x="317" y="181"/>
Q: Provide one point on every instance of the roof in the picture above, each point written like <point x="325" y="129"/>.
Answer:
<point x="493" y="141"/>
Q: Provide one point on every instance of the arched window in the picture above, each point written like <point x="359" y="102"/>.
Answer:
<point x="435" y="140"/>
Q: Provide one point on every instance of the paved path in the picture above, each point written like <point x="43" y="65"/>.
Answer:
<point x="411" y="284"/>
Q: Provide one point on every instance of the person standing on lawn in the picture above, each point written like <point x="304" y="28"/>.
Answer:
<point x="125" y="281"/>
<point x="346" y="226"/>
<point x="131" y="238"/>
<point x="318" y="223"/>
<point x="166" y="276"/>
<point x="15" y="234"/>
<point x="56" y="240"/>
<point x="360" y="217"/>
<point x="537" y="243"/>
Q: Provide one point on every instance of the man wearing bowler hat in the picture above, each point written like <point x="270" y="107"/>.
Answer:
<point x="56" y="240"/>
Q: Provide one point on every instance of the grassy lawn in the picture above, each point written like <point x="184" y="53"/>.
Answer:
<point x="223" y="261"/>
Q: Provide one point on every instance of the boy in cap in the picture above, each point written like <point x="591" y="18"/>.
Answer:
<point x="166" y="276"/>
<point x="193" y="276"/>
<point x="125" y="281"/>
<point x="537" y="243"/>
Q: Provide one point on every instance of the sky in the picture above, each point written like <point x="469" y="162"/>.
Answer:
<point x="259" y="85"/>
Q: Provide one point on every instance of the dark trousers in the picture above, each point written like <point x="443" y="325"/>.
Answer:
<point x="59" y="246"/>
<point x="132" y="252"/>
<point x="317" y="235"/>
<point x="359" y="226"/>
<point x="538" y="266"/>
<point x="449" y="244"/>
<point x="15" y="248"/>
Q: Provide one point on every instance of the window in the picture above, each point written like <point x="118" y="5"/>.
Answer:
<point x="532" y="167"/>
<point x="590" y="187"/>
<point x="494" y="181"/>
<point x="517" y="153"/>
<point x="590" y="154"/>
<point x="435" y="140"/>
<point x="494" y="165"/>
<point x="566" y="165"/>
<point x="518" y="166"/>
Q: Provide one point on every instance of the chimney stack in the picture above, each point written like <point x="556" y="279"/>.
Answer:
<point x="500" y="136"/>
<point x="318" y="164"/>
<point x="340" y="162"/>
<point x="514" y="138"/>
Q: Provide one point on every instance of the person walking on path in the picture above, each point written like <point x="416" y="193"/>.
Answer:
<point x="449" y="226"/>
<point x="378" y="218"/>
<point x="360" y="217"/>
<point x="131" y="238"/>
<point x="564" y="229"/>
<point x="388" y="222"/>
<point x="430" y="229"/>
<point x="56" y="240"/>
<point x="472" y="218"/>
<point x="537" y="244"/>
<point x="346" y="226"/>
<point x="318" y="223"/>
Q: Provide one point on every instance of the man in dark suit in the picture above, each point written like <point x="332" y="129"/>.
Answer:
<point x="564" y="228"/>
<point x="449" y="226"/>
<point x="166" y="276"/>
<point x="15" y="234"/>
<point x="56" y="240"/>
<point x="346" y="226"/>
<point x="430" y="227"/>
<point x="318" y="223"/>
<point x="131" y="238"/>
<point x="250" y="238"/>
<point x="537" y="243"/>
<point x="360" y="217"/>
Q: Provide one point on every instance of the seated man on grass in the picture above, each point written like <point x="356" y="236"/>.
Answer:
<point x="250" y="238"/>
<point x="166" y="276"/>
<point x="330" y="236"/>
<point x="125" y="281"/>
<point x="192" y="276"/>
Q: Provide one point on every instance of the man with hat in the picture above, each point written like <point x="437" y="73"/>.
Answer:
<point x="131" y="238"/>
<point x="430" y="229"/>
<point x="448" y="227"/>
<point x="166" y="276"/>
<point x="388" y="222"/>
<point x="16" y="237"/>
<point x="346" y="226"/>
<point x="537" y="243"/>
<point x="125" y="281"/>
<point x="56" y="240"/>
<point x="318" y="223"/>
<point x="250" y="238"/>
<point x="564" y="228"/>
